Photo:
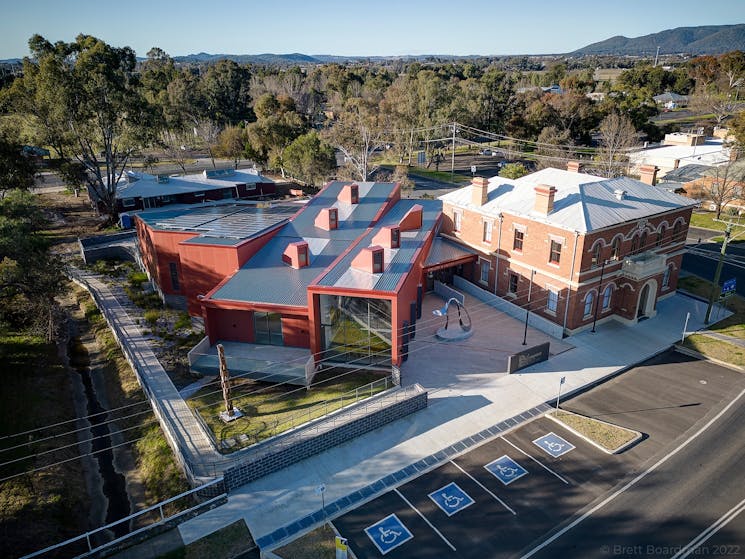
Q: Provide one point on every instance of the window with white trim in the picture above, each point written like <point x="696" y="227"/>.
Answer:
<point x="554" y="256"/>
<point x="615" y="249"/>
<point x="666" y="278"/>
<point x="589" y="301"/>
<point x="484" y="273"/>
<point x="607" y="294"/>
<point x="457" y="218"/>
<point x="553" y="300"/>
<point x="517" y="243"/>
<point x="487" y="231"/>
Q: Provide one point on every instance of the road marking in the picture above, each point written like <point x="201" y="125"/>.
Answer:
<point x="477" y="482"/>
<point x="633" y="482"/>
<point x="541" y="464"/>
<point x="710" y="531"/>
<point x="451" y="546"/>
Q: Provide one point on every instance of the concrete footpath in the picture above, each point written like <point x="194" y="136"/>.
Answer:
<point x="282" y="505"/>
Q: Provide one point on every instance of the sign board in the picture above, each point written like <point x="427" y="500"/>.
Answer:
<point x="421" y="158"/>
<point x="528" y="357"/>
<point x="342" y="548"/>
<point x="321" y="489"/>
<point x="729" y="286"/>
<point x="473" y="169"/>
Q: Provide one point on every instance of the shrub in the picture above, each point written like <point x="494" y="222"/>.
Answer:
<point x="151" y="316"/>
<point x="136" y="279"/>
<point x="183" y="321"/>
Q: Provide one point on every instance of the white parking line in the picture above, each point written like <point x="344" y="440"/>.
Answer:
<point x="730" y="515"/>
<point x="477" y="482"/>
<point x="634" y="481"/>
<point x="425" y="519"/>
<point x="541" y="464"/>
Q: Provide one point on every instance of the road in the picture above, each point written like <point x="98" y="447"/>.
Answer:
<point x="694" y="487"/>
<point x="702" y="259"/>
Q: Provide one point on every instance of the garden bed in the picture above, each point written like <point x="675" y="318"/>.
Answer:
<point x="606" y="436"/>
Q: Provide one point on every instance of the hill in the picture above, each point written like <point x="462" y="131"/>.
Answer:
<point x="707" y="39"/>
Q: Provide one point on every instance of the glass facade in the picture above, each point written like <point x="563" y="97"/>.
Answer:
<point x="356" y="330"/>
<point x="268" y="328"/>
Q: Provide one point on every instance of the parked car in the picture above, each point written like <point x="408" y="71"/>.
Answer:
<point x="489" y="152"/>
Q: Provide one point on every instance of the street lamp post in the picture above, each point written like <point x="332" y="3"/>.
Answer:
<point x="527" y="310"/>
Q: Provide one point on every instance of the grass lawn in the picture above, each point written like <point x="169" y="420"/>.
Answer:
<point x="317" y="544"/>
<point x="716" y="349"/>
<point x="271" y="409"/>
<point x="610" y="437"/>
<point x="733" y="325"/>
<point x="705" y="220"/>
<point x="230" y="541"/>
<point x="442" y="176"/>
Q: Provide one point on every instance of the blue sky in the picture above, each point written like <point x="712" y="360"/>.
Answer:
<point x="373" y="27"/>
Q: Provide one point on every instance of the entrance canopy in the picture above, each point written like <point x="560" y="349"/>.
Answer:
<point x="446" y="254"/>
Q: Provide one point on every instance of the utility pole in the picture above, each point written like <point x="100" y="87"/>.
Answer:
<point x="715" y="286"/>
<point x="452" y="157"/>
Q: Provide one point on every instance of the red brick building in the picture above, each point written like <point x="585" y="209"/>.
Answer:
<point x="596" y="249"/>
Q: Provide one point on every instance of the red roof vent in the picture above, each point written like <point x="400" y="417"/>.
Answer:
<point x="389" y="237"/>
<point x="327" y="219"/>
<point x="370" y="259"/>
<point x="350" y="193"/>
<point x="296" y="255"/>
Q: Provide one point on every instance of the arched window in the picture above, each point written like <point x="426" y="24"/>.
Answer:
<point x="607" y="294"/>
<point x="666" y="277"/>
<point x="676" y="232"/>
<point x="596" y="255"/>
<point x="643" y="242"/>
<point x="589" y="300"/>
<point x="660" y="235"/>
<point x="634" y="244"/>
<point x="615" y="249"/>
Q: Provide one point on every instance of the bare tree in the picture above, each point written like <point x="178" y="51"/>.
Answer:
<point x="617" y="138"/>
<point x="174" y="144"/>
<point x="721" y="185"/>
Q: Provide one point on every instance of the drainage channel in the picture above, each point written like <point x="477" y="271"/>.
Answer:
<point x="113" y="483"/>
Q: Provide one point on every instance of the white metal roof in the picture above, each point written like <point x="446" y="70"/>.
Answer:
<point x="582" y="202"/>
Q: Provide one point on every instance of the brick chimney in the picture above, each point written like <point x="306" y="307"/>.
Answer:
<point x="370" y="259"/>
<point x="327" y="219"/>
<point x="350" y="193"/>
<point x="648" y="174"/>
<point x="479" y="194"/>
<point x="544" y="199"/>
<point x="573" y="166"/>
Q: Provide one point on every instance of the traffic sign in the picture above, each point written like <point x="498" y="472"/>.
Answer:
<point x="451" y="498"/>
<point x="506" y="470"/>
<point x="553" y="444"/>
<point x="729" y="286"/>
<point x="341" y="547"/>
<point x="388" y="533"/>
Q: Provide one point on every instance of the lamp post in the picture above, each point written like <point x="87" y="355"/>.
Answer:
<point x="597" y="299"/>
<point x="527" y="310"/>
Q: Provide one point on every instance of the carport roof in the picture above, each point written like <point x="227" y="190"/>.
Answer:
<point x="444" y="251"/>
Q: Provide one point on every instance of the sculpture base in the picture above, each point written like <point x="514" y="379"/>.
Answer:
<point x="227" y="418"/>
<point x="453" y="334"/>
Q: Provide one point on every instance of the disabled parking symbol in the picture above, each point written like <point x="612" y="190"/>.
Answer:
<point x="553" y="444"/>
<point x="451" y="498"/>
<point x="389" y="533"/>
<point x="506" y="470"/>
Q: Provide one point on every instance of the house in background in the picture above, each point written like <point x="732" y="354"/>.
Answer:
<point x="141" y="191"/>
<point x="671" y="100"/>
<point x="679" y="150"/>
<point x="584" y="247"/>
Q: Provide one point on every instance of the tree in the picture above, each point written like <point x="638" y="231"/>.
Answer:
<point x="16" y="170"/>
<point x="30" y="276"/>
<point x="554" y="148"/>
<point x="617" y="137"/>
<point x="277" y="125"/>
<point x="309" y="159"/>
<point x="513" y="171"/>
<point x="231" y="143"/>
<point x="96" y="99"/>
<point x="721" y="185"/>
<point x="226" y="90"/>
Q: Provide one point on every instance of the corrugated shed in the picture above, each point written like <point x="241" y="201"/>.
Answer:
<point x="446" y="251"/>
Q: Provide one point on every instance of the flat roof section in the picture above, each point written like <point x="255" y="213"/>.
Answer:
<point x="222" y="223"/>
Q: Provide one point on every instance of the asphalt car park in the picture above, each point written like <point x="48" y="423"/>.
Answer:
<point x="506" y="496"/>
